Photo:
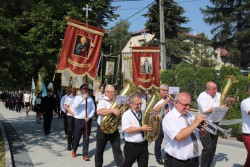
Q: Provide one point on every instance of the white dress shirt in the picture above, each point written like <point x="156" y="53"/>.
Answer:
<point x="128" y="120"/>
<point x="62" y="103"/>
<point x="170" y="106"/>
<point x="172" y="124"/>
<point x="205" y="101"/>
<point x="79" y="107"/>
<point x="69" y="101"/>
<point x="245" y="108"/>
<point x="99" y="96"/>
<point x="104" y="103"/>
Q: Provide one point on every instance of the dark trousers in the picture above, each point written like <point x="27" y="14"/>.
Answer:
<point x="170" y="161"/>
<point x="70" y="123"/>
<point x="80" y="130"/>
<point x="65" y="123"/>
<point x="136" y="151"/>
<point x="209" y="143"/>
<point x="158" y="143"/>
<point x="101" y="141"/>
<point x="18" y="107"/>
<point x="246" y="140"/>
<point x="47" y="122"/>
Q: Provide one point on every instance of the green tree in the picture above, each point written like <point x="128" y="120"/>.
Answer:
<point x="118" y="36"/>
<point x="32" y="31"/>
<point x="201" y="54"/>
<point x="174" y="31"/>
<point x="231" y="28"/>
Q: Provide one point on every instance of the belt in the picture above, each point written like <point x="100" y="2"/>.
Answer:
<point x="143" y="142"/>
<point x="191" y="159"/>
<point x="246" y="134"/>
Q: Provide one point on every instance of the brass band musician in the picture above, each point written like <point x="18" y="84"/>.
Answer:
<point x="103" y="108"/>
<point x="163" y="105"/>
<point x="181" y="132"/>
<point x="136" y="147"/>
<point x="207" y="100"/>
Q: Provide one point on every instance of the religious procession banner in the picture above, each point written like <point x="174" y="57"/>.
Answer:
<point x="80" y="53"/>
<point x="146" y="66"/>
<point x="109" y="69"/>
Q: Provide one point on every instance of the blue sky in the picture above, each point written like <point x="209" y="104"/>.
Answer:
<point x="128" y="8"/>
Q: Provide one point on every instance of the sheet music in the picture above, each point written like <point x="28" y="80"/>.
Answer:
<point x="218" y="114"/>
<point x="173" y="90"/>
<point x="121" y="100"/>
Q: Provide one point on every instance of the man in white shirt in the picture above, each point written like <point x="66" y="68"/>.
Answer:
<point x="65" y="122"/>
<point x="181" y="132"/>
<point x="163" y="105"/>
<point x="207" y="100"/>
<point x="103" y="108"/>
<point x="136" y="147"/>
<point x="245" y="111"/>
<point x="83" y="120"/>
<point x="70" y="117"/>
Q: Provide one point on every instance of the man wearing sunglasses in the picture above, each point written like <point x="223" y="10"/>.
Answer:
<point x="181" y="132"/>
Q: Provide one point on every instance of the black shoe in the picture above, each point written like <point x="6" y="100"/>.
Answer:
<point x="69" y="148"/>
<point x="160" y="161"/>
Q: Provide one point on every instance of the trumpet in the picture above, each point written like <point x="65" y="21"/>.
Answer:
<point x="171" y="98"/>
<point x="226" y="132"/>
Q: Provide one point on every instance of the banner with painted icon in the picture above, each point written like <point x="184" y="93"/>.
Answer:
<point x="146" y="66"/>
<point x="109" y="69"/>
<point x="80" y="52"/>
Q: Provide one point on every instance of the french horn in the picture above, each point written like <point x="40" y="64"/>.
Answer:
<point x="151" y="118"/>
<point x="111" y="122"/>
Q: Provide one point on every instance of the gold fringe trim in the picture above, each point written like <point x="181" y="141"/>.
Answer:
<point x="85" y="29"/>
<point x="78" y="65"/>
<point x="147" y="50"/>
<point x="146" y="80"/>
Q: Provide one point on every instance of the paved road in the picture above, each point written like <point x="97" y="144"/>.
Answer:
<point x="32" y="148"/>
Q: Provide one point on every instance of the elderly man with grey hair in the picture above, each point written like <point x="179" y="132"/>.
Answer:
<point x="162" y="107"/>
<point x="103" y="108"/>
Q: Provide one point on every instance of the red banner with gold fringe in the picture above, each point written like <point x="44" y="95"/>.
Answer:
<point x="146" y="66"/>
<point x="81" y="49"/>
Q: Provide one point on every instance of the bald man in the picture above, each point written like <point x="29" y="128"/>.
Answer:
<point x="181" y="131"/>
<point x="207" y="100"/>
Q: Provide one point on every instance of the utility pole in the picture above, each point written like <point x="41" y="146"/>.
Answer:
<point x="162" y="36"/>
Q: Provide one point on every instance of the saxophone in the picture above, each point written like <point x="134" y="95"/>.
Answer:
<point x="111" y="122"/>
<point x="230" y="80"/>
<point x="151" y="118"/>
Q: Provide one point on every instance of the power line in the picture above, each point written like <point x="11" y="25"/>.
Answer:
<point x="132" y="15"/>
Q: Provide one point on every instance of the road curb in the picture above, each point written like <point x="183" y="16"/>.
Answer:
<point x="8" y="161"/>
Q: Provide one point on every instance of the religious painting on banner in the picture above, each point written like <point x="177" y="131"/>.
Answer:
<point x="80" y="53"/>
<point x="109" y="69"/>
<point x="146" y="66"/>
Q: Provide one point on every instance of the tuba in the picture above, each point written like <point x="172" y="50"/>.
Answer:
<point x="151" y="118"/>
<point x="230" y="80"/>
<point x="111" y="122"/>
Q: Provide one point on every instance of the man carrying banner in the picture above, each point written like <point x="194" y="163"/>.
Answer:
<point x="82" y="122"/>
<point x="103" y="108"/>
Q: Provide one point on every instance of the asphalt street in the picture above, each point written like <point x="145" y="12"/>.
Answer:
<point x="30" y="147"/>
